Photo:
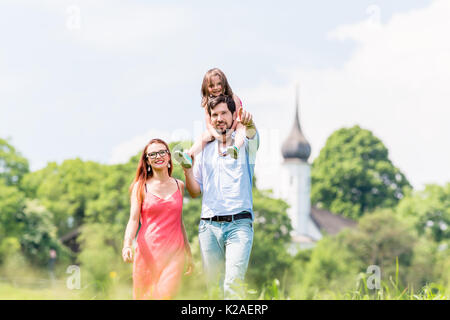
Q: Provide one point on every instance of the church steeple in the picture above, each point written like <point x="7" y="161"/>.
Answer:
<point x="296" y="145"/>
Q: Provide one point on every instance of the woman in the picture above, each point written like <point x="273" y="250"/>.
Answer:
<point x="157" y="202"/>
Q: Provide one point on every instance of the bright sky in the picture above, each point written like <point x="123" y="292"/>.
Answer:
<point x="98" y="79"/>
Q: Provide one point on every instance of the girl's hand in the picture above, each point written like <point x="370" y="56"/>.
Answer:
<point x="127" y="254"/>
<point x="235" y="122"/>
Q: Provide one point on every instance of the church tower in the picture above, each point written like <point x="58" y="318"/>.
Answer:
<point x="295" y="181"/>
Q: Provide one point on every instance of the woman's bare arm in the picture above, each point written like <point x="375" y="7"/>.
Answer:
<point x="187" y="247"/>
<point x="132" y="225"/>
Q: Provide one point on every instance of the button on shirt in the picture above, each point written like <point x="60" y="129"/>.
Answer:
<point x="226" y="183"/>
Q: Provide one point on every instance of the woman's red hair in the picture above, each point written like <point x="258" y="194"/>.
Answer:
<point x="142" y="172"/>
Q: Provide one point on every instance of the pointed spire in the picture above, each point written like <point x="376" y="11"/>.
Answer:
<point x="297" y="97"/>
<point x="296" y="145"/>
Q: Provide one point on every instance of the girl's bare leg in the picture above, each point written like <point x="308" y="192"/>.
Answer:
<point x="233" y="150"/>
<point x="199" y="144"/>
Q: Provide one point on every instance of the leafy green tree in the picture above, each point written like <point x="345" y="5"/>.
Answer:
<point x="66" y="189"/>
<point x="192" y="209"/>
<point x="425" y="264"/>
<point x="380" y="238"/>
<point x="32" y="181"/>
<point x="112" y="206"/>
<point x="27" y="223"/>
<point x="353" y="174"/>
<point x="428" y="210"/>
<point x="9" y="246"/>
<point x="98" y="259"/>
<point x="269" y="258"/>
<point x="331" y="267"/>
<point x="13" y="166"/>
<point x="39" y="234"/>
<point x="12" y="202"/>
<point x="113" y="202"/>
<point x="442" y="265"/>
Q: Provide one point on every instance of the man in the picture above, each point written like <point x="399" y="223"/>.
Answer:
<point x="226" y="225"/>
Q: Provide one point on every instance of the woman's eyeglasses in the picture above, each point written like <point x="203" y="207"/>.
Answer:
<point x="152" y="155"/>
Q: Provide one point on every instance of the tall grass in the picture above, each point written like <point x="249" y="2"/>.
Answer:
<point x="273" y="291"/>
<point x="31" y="285"/>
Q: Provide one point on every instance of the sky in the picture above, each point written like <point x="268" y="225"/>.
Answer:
<point x="98" y="79"/>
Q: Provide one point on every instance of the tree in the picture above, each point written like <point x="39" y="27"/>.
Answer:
<point x="428" y="210"/>
<point x="113" y="202"/>
<point x="39" y="234"/>
<point x="12" y="202"/>
<point x="353" y="174"/>
<point x="269" y="258"/>
<point x="27" y="223"/>
<point x="12" y="165"/>
<point x="98" y="258"/>
<point x="66" y="189"/>
<point x="331" y="267"/>
<point x="380" y="238"/>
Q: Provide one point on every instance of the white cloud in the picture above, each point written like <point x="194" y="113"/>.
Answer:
<point x="395" y="84"/>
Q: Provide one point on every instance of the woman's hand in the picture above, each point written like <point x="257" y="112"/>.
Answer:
<point x="190" y="264"/>
<point x="127" y="254"/>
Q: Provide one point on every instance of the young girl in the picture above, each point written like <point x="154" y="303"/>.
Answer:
<point x="214" y="84"/>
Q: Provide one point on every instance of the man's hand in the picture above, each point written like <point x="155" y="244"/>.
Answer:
<point x="189" y="169"/>
<point x="191" y="185"/>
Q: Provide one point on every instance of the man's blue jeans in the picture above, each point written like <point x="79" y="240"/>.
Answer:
<point x="225" y="249"/>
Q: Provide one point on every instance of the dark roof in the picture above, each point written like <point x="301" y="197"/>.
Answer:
<point x="329" y="222"/>
<point x="71" y="235"/>
<point x="296" y="145"/>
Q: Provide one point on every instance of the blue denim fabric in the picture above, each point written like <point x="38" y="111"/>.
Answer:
<point x="225" y="249"/>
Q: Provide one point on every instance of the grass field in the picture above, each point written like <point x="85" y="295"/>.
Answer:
<point x="59" y="291"/>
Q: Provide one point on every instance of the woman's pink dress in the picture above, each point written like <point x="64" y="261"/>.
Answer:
<point x="159" y="255"/>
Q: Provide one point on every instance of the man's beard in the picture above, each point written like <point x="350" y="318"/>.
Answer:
<point x="222" y="131"/>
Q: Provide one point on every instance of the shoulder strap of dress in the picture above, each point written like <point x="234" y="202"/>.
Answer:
<point x="177" y="184"/>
